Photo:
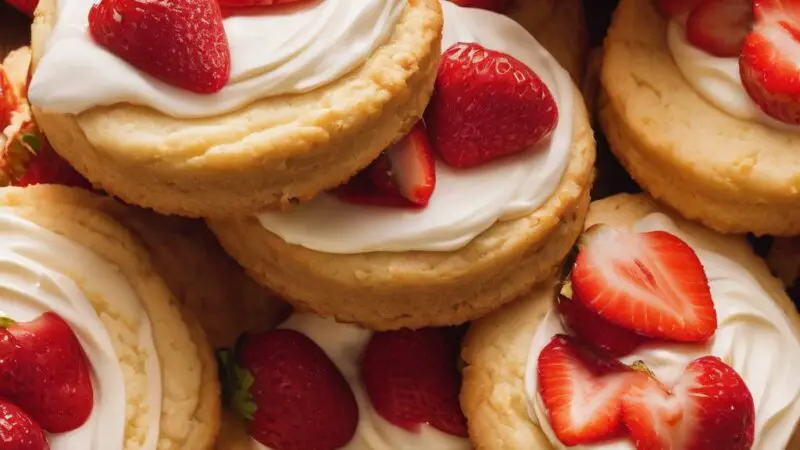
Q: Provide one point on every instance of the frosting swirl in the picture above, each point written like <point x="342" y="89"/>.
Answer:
<point x="753" y="336"/>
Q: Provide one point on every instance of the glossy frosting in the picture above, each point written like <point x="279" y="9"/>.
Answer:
<point x="465" y="202"/>
<point x="716" y="79"/>
<point x="754" y="337"/>
<point x="344" y="344"/>
<point x="42" y="271"/>
<point x="275" y="51"/>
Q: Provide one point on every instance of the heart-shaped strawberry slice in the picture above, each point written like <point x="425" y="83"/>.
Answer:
<point x="412" y="378"/>
<point x="18" y="431"/>
<point x="486" y="105"/>
<point x="651" y="283"/>
<point x="291" y="392"/>
<point x="45" y="372"/>
<point x="180" y="42"/>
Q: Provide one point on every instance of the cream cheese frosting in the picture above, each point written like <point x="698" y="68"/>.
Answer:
<point x="344" y="345"/>
<point x="465" y="202"/>
<point x="280" y="50"/>
<point x="42" y="271"/>
<point x="716" y="79"/>
<point x="754" y="337"/>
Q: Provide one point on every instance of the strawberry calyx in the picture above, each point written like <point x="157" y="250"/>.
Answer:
<point x="236" y="384"/>
<point x="6" y="322"/>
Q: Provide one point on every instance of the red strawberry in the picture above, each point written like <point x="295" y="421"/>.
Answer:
<point x="403" y="176"/>
<point x="492" y="5"/>
<point x="8" y="100"/>
<point x="180" y="42"/>
<point x="25" y="6"/>
<point x="720" y="27"/>
<point x="486" y="105"/>
<point x="593" y="330"/>
<point x="582" y="391"/>
<point x="770" y="60"/>
<point x="18" y="431"/>
<point x="412" y="378"/>
<point x="651" y="283"/>
<point x="709" y="408"/>
<point x="45" y="372"/>
<point x="293" y="394"/>
<point x="676" y="8"/>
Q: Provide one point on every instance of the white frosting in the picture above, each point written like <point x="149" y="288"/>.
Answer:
<point x="465" y="202"/>
<point x="344" y="345"/>
<point x="281" y="50"/>
<point x="754" y="337"/>
<point x="716" y="79"/>
<point x="42" y="271"/>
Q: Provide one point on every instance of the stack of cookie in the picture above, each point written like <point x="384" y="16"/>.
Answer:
<point x="366" y="224"/>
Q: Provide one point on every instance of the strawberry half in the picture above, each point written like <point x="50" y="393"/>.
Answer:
<point x="18" y="431"/>
<point x="720" y="27"/>
<point x="412" y="378"/>
<point x="291" y="392"/>
<point x="492" y="5"/>
<point x="45" y="372"/>
<point x="8" y="100"/>
<point x="180" y="42"/>
<point x="403" y="176"/>
<point x="486" y="105"/>
<point x="676" y="9"/>
<point x="709" y="408"/>
<point x="582" y="391"/>
<point x="770" y="60"/>
<point x="650" y="283"/>
<point x="592" y="329"/>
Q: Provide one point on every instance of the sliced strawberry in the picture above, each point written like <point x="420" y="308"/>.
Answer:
<point x="180" y="42"/>
<point x="582" y="391"/>
<point x="720" y="27"/>
<point x="18" y="431"/>
<point x="292" y="393"/>
<point x="403" y="176"/>
<point x="650" y="283"/>
<point x="487" y="105"/>
<point x="676" y="9"/>
<point x="492" y="5"/>
<point x="412" y="378"/>
<point x="710" y="407"/>
<point x="25" y="6"/>
<point x="46" y="372"/>
<point x="592" y="329"/>
<point x="770" y="60"/>
<point x="8" y="100"/>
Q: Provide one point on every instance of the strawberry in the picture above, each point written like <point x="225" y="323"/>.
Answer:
<point x="486" y="105"/>
<point x="291" y="392"/>
<point x="403" y="176"/>
<point x="492" y="5"/>
<point x="770" y="60"/>
<point x="45" y="372"/>
<point x="710" y="407"/>
<point x="25" y="6"/>
<point x="720" y="27"/>
<point x="412" y="378"/>
<point x="676" y="9"/>
<point x="18" y="431"/>
<point x="592" y="329"/>
<point x="582" y="391"/>
<point x="650" y="283"/>
<point x="180" y="42"/>
<point x="8" y="100"/>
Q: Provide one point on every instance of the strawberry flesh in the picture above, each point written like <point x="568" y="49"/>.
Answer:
<point x="412" y="378"/>
<point x="650" y="283"/>
<point x="720" y="27"/>
<point x="297" y="399"/>
<point x="492" y="5"/>
<point x="486" y="105"/>
<point x="582" y="391"/>
<point x="710" y="407"/>
<point x="180" y="42"/>
<point x="18" y="431"/>
<point x="46" y="372"/>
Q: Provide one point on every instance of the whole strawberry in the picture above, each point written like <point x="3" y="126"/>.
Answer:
<point x="180" y="42"/>
<point x="18" y="431"/>
<point x="291" y="392"/>
<point x="44" y="371"/>
<point x="486" y="105"/>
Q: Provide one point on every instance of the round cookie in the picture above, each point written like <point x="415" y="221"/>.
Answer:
<point x="275" y="151"/>
<point x="497" y="347"/>
<point x="733" y="175"/>
<point x="147" y="332"/>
